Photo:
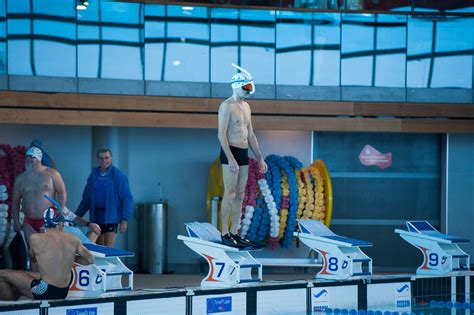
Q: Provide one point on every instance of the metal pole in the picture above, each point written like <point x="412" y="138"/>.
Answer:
<point x="214" y="210"/>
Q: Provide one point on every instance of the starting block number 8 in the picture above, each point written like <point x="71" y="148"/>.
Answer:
<point x="334" y="264"/>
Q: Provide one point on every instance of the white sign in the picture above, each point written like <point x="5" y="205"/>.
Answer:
<point x="22" y="312"/>
<point x="84" y="309"/>
<point x="343" y="297"/>
<point x="275" y="302"/>
<point x="164" y="306"/>
<point x="393" y="297"/>
<point x="221" y="304"/>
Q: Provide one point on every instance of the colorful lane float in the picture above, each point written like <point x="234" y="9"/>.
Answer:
<point x="342" y="257"/>
<point x="228" y="266"/>
<point x="273" y="202"/>
<point x="441" y="252"/>
<point x="12" y="163"/>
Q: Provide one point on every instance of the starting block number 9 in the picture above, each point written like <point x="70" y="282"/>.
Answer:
<point x="433" y="259"/>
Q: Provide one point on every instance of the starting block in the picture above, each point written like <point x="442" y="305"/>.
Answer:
<point x="228" y="265"/>
<point x="441" y="254"/>
<point x="342" y="257"/>
<point x="105" y="275"/>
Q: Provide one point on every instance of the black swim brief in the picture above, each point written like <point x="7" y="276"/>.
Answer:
<point x="42" y="290"/>
<point x="108" y="227"/>
<point x="240" y="155"/>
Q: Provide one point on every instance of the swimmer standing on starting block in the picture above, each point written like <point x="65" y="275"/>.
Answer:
<point x="236" y="134"/>
<point x="55" y="252"/>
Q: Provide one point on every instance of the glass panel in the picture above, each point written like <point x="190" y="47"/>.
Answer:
<point x="187" y="44"/>
<point x="408" y="189"/>
<point x="3" y="37"/>
<point x="122" y="37"/>
<point x="54" y="29"/>
<point x="452" y="64"/>
<point x="224" y="43"/>
<point x="327" y="49"/>
<point x="390" y="50"/>
<point x="19" y="38"/>
<point x="257" y="50"/>
<point x="440" y="52"/>
<point x="293" y="48"/>
<point x="443" y="6"/>
<point x="358" y="50"/>
<point x="89" y="48"/>
<point x="111" y="32"/>
<point x="154" y="41"/>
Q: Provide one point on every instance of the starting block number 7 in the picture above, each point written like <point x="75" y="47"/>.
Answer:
<point x="221" y="266"/>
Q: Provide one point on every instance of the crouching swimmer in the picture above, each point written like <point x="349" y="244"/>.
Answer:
<point x="55" y="252"/>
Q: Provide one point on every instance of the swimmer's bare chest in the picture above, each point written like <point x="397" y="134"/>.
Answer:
<point x="36" y="183"/>
<point x="239" y="115"/>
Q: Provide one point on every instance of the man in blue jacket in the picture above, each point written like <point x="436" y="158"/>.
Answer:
<point x="108" y="198"/>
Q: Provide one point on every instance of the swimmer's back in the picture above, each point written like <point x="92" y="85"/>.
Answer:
<point x="55" y="252"/>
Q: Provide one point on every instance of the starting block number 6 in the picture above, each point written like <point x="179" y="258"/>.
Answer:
<point x="84" y="278"/>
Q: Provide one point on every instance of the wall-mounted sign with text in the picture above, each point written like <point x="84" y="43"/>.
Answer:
<point x="370" y="156"/>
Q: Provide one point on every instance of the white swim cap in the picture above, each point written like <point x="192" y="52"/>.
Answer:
<point x="35" y="152"/>
<point x="242" y="80"/>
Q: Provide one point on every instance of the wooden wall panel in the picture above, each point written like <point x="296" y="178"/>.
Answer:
<point x="183" y="112"/>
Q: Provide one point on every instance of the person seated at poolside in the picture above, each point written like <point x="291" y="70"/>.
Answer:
<point x="55" y="253"/>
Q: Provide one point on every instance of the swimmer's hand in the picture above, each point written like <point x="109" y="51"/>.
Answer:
<point x="262" y="165"/>
<point x="95" y="228"/>
<point x="123" y="226"/>
<point x="233" y="166"/>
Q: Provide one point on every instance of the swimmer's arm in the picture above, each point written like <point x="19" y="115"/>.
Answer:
<point x="253" y="142"/>
<point x="255" y="148"/>
<point x="60" y="189"/>
<point x="84" y="256"/>
<point x="223" y="125"/>
<point x="33" y="244"/>
<point x="93" y="227"/>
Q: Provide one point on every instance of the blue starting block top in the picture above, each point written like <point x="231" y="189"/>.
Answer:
<point x="425" y="228"/>
<point x="317" y="228"/>
<point x="352" y="241"/>
<point x="108" y="251"/>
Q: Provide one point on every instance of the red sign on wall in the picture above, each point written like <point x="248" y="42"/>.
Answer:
<point x="371" y="156"/>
